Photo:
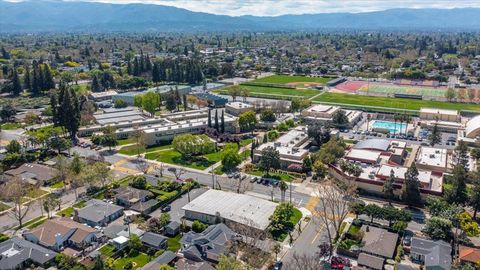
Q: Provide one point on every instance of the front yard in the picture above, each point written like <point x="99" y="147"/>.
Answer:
<point x="138" y="261"/>
<point x="174" y="243"/>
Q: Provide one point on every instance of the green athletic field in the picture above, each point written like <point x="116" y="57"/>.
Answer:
<point x="274" y="92"/>
<point x="402" y="89"/>
<point x="284" y="79"/>
<point x="395" y="103"/>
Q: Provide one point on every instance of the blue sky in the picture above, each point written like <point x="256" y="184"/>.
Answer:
<point x="280" y="7"/>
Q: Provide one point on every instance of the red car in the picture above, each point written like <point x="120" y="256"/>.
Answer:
<point x="339" y="262"/>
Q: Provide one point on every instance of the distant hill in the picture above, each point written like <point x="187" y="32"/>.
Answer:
<point x="55" y="15"/>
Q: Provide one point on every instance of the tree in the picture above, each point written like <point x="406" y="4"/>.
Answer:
<point x="166" y="267"/>
<point x="95" y="85"/>
<point x="300" y="104"/>
<point x="268" y="116"/>
<point x="234" y="91"/>
<point x="270" y="159"/>
<point x="150" y="102"/>
<point x="333" y="208"/>
<point x="198" y="226"/>
<point x="474" y="201"/>
<point x="276" y="248"/>
<point x="138" y="136"/>
<point x="339" y="118"/>
<point x="209" y="118"/>
<point x="388" y="187"/>
<point x="51" y="203"/>
<point x="231" y="159"/>
<point x="438" y="228"/>
<point x="98" y="263"/>
<point x="450" y="94"/>
<point x="319" y="133"/>
<point x="60" y="144"/>
<point x="247" y="120"/>
<point x="7" y="112"/>
<point x="410" y="193"/>
<point x="330" y="152"/>
<point x="16" y="85"/>
<point x="229" y="263"/>
<point x="13" y="147"/>
<point x="458" y="193"/>
<point x="357" y="207"/>
<point x="190" y="145"/>
<point x="139" y="182"/>
<point x="283" y="188"/>
<point x="373" y="211"/>
<point x="171" y="101"/>
<point x="222" y="122"/>
<point x="109" y="137"/>
<point x="435" y="137"/>
<point x="134" y="245"/>
<point x="15" y="191"/>
<point x="68" y="111"/>
<point x="216" y="124"/>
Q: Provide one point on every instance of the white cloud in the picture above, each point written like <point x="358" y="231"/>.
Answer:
<point x="281" y="7"/>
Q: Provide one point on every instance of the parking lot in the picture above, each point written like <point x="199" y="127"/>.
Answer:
<point x="176" y="212"/>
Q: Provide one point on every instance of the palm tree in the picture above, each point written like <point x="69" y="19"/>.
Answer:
<point x="369" y="117"/>
<point x="407" y="119"/>
<point x="283" y="188"/>
<point x="395" y="118"/>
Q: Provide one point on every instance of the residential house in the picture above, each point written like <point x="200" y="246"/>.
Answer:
<point x="154" y="240"/>
<point x="145" y="207"/>
<point x="18" y="253"/>
<point x="370" y="261"/>
<point x="433" y="254"/>
<point x="33" y="173"/>
<point x="469" y="255"/>
<point x="98" y="213"/>
<point x="208" y="245"/>
<point x="379" y="242"/>
<point x="167" y="258"/>
<point x="58" y="233"/>
<point x="128" y="196"/>
<point x="185" y="264"/>
<point x="172" y="228"/>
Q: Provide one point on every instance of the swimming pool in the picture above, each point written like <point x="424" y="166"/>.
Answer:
<point x="391" y="126"/>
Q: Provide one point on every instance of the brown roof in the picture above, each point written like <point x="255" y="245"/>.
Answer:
<point x="47" y="231"/>
<point x="379" y="242"/>
<point x="34" y="171"/>
<point x="469" y="254"/>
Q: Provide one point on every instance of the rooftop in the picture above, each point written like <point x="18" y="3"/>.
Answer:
<point x="97" y="210"/>
<point x="439" y="111"/>
<point x="373" y="144"/>
<point x="363" y="155"/>
<point x="240" y="208"/>
<point x="379" y="241"/>
<point x="430" y="156"/>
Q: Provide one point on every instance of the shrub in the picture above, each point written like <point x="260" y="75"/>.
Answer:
<point x="139" y="182"/>
<point x="198" y="226"/>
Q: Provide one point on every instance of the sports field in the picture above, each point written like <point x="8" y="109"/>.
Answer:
<point x="274" y="92"/>
<point x="388" y="88"/>
<point x="387" y="102"/>
<point x="286" y="79"/>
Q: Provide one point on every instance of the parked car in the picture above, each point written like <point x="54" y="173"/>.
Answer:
<point x="339" y="262"/>
<point x="407" y="240"/>
<point x="277" y="266"/>
<point x="167" y="208"/>
<point x="253" y="179"/>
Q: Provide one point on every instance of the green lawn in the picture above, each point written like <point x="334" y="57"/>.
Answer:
<point x="67" y="212"/>
<point x="30" y="222"/>
<point x="174" y="243"/>
<point x="274" y="92"/>
<point x="107" y="250"/>
<point x="396" y="103"/>
<point x="35" y="193"/>
<point x="297" y="215"/>
<point x="125" y="141"/>
<point x="8" y="126"/>
<point x="140" y="260"/>
<point x="131" y="150"/>
<point x="4" y="207"/>
<point x="58" y="184"/>
<point x="282" y="176"/>
<point x="284" y="79"/>
<point x="174" y="157"/>
<point x="80" y="204"/>
<point x="36" y="223"/>
<point x="245" y="142"/>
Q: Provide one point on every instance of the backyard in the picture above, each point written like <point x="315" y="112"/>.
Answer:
<point x="138" y="261"/>
<point x="174" y="243"/>
<point x="390" y="103"/>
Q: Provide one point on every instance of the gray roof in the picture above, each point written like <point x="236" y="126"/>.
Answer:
<point x="173" y="225"/>
<point x="437" y="253"/>
<point x="15" y="251"/>
<point x="401" y="266"/>
<point x="129" y="193"/>
<point x="112" y="230"/>
<point x="212" y="239"/>
<point x="373" y="144"/>
<point x="379" y="242"/>
<point x="142" y="206"/>
<point x="370" y="261"/>
<point x="166" y="258"/>
<point x="97" y="210"/>
<point x="153" y="239"/>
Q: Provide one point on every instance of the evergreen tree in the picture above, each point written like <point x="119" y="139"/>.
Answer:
<point x="54" y="106"/>
<point x="388" y="187"/>
<point x="411" y="187"/>
<point x="171" y="102"/>
<point x="458" y="194"/>
<point x="222" y="122"/>
<point x="184" y="102"/>
<point x="216" y="120"/>
<point x="48" y="82"/>
<point x="27" y="82"/>
<point x="16" y="85"/>
<point x="69" y="111"/>
<point x="435" y="136"/>
<point x="474" y="201"/>
<point x="95" y="85"/>
<point x="209" y="118"/>
<point x="155" y="73"/>
<point x="5" y="54"/>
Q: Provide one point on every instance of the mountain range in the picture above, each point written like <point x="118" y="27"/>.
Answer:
<point x="61" y="16"/>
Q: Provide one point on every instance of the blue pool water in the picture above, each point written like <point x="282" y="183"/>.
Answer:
<point x="391" y="126"/>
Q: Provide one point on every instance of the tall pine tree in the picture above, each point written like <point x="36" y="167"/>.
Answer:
<point x="16" y="85"/>
<point x="222" y="122"/>
<point x="209" y="118"/>
<point x="411" y="187"/>
<point x="216" y="120"/>
<point x="27" y="82"/>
